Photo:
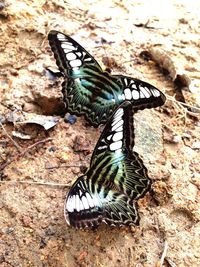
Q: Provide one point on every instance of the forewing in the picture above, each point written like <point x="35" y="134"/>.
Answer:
<point x="70" y="56"/>
<point x="141" y="94"/>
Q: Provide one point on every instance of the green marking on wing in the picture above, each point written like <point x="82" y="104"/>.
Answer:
<point x="92" y="94"/>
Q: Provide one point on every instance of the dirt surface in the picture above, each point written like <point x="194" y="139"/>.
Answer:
<point x="39" y="160"/>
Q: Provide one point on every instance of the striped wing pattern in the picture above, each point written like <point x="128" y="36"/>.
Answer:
<point x="90" y="91"/>
<point x="116" y="178"/>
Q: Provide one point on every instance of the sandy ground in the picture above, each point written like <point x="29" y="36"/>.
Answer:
<point x="37" y="165"/>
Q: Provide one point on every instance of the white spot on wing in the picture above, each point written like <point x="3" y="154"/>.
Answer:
<point x="61" y="36"/>
<point x="117" y="136"/>
<point x="77" y="79"/>
<point x="77" y="203"/>
<point x="116" y="145"/>
<point x="127" y="93"/>
<point x="81" y="206"/>
<point x="118" y="116"/>
<point x="118" y="124"/>
<point x="135" y="94"/>
<point x="79" y="54"/>
<point x="145" y="91"/>
<point x="67" y="46"/>
<point x="75" y="63"/>
<point x="109" y="137"/>
<point x="85" y="203"/>
<point x="155" y="92"/>
<point x="119" y="129"/>
<point x="87" y="59"/>
<point x="70" y="203"/>
<point x="118" y="112"/>
<point x="133" y="86"/>
<point x="96" y="200"/>
<point x="121" y="97"/>
<point x="118" y="152"/>
<point x="125" y="81"/>
<point x="70" y="56"/>
<point x="90" y="200"/>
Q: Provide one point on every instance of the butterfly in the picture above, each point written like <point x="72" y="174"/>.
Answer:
<point x="115" y="179"/>
<point x="90" y="91"/>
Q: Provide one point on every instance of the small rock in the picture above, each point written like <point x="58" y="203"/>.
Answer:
<point x="52" y="149"/>
<point x="81" y="145"/>
<point x="176" y="139"/>
<point x="196" y="145"/>
<point x="8" y="230"/>
<point x="2" y="119"/>
<point x="71" y="119"/>
<point x="27" y="221"/>
<point x="42" y="244"/>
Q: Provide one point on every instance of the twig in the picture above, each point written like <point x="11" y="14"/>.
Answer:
<point x="182" y="103"/>
<point x="170" y="262"/>
<point x="62" y="166"/>
<point x="34" y="183"/>
<point x="21" y="154"/>
<point x="12" y="140"/>
<point x="35" y="144"/>
<point x="161" y="261"/>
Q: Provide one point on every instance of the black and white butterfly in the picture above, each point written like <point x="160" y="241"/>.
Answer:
<point x="115" y="179"/>
<point x="95" y="93"/>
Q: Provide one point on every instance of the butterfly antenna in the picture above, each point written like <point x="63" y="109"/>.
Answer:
<point x="105" y="59"/>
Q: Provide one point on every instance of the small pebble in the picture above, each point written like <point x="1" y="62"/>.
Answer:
<point x="52" y="149"/>
<point x="71" y="119"/>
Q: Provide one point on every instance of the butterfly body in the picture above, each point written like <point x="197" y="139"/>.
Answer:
<point x="89" y="90"/>
<point x="115" y="179"/>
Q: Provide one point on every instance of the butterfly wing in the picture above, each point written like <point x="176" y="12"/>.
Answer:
<point x="86" y="209"/>
<point x="115" y="179"/>
<point x="141" y="94"/>
<point x="70" y="56"/>
<point x="87" y="89"/>
<point x="114" y="151"/>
